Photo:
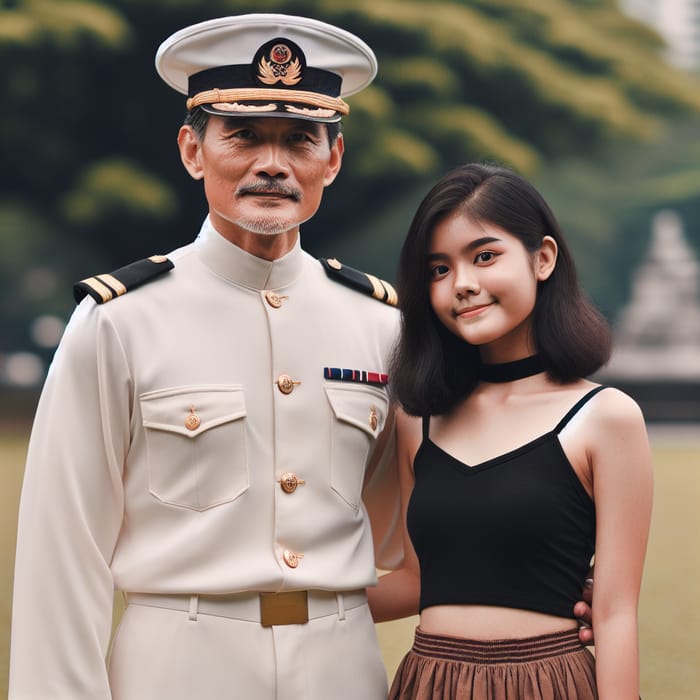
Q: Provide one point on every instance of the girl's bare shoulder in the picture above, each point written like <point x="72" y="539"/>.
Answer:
<point x="613" y="424"/>
<point x="407" y="424"/>
<point x="613" y="409"/>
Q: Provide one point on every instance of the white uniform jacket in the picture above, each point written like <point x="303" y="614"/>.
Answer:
<point x="160" y="441"/>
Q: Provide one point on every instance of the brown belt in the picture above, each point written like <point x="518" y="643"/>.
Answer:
<point x="288" y="608"/>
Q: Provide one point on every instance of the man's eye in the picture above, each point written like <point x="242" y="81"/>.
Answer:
<point x="300" y="137"/>
<point x="243" y="134"/>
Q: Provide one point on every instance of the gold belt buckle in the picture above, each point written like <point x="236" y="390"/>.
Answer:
<point x="290" y="608"/>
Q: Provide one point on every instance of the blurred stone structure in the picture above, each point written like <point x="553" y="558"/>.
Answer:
<point x="656" y="356"/>
<point x="677" y="21"/>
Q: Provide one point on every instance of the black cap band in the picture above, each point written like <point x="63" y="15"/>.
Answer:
<point x="224" y="77"/>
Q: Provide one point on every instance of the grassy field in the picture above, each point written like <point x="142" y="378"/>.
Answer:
<point x="670" y="605"/>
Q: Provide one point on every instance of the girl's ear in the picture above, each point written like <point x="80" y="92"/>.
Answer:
<point x="546" y="258"/>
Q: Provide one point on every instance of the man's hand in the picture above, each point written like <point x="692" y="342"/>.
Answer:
<point x="584" y="613"/>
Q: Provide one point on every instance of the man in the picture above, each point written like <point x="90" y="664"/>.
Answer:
<point x="214" y="437"/>
<point x="203" y="440"/>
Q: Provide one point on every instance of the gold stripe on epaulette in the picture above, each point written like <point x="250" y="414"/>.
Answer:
<point x="379" y="291"/>
<point x="392" y="297"/>
<point x="112" y="282"/>
<point x="95" y="284"/>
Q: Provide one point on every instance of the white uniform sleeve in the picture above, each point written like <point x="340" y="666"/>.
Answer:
<point x="382" y="499"/>
<point x="70" y="516"/>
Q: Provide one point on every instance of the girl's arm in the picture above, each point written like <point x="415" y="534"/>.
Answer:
<point x="397" y="593"/>
<point x="620" y="458"/>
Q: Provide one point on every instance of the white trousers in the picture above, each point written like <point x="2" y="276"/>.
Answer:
<point x="161" y="654"/>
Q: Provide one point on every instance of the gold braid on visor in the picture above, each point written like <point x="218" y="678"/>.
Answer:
<point x="233" y="95"/>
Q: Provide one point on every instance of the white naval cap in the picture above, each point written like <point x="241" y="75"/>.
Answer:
<point x="267" y="65"/>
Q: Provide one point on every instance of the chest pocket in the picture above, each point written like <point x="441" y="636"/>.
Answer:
<point x="359" y="413"/>
<point x="196" y="443"/>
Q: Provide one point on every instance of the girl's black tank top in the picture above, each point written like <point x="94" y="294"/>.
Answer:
<point x="517" y="530"/>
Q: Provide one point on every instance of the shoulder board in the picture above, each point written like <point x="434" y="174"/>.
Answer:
<point x="360" y="281"/>
<point x="103" y="288"/>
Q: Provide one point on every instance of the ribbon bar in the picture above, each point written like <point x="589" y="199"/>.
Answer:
<point x="355" y="375"/>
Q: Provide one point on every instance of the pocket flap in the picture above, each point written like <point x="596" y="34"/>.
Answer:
<point x="192" y="410"/>
<point x="359" y="405"/>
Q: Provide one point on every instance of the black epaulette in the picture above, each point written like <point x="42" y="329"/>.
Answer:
<point x="361" y="281"/>
<point x="103" y="288"/>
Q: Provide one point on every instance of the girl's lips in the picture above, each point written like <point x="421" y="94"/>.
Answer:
<point x="469" y="311"/>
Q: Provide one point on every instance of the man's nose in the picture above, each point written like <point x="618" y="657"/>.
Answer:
<point x="272" y="161"/>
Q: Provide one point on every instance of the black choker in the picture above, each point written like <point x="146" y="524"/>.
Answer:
<point x="510" y="371"/>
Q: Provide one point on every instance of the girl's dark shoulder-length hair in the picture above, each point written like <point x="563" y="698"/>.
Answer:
<point x="432" y="369"/>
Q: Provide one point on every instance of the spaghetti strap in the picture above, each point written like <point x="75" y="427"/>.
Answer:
<point x="577" y="406"/>
<point x="426" y="427"/>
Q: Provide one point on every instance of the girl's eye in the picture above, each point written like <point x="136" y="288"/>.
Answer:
<point x="485" y="256"/>
<point x="439" y="270"/>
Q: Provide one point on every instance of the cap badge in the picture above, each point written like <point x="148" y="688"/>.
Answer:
<point x="280" y="62"/>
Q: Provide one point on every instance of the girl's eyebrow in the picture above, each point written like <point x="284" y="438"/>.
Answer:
<point x="473" y="245"/>
<point x="478" y="242"/>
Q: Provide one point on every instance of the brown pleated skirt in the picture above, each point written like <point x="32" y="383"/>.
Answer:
<point x="549" y="667"/>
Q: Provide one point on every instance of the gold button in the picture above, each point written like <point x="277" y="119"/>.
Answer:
<point x="274" y="299"/>
<point x="193" y="421"/>
<point x="286" y="384"/>
<point x="290" y="481"/>
<point x="373" y="418"/>
<point x="291" y="559"/>
<point x="335" y="264"/>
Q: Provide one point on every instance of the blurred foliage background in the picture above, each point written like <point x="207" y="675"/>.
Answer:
<point x="571" y="93"/>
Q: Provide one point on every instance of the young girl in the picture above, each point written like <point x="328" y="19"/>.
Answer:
<point x="520" y="468"/>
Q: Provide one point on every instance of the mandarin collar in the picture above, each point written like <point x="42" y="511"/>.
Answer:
<point x="240" y="267"/>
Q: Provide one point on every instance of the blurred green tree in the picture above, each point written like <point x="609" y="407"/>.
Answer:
<point x="607" y="207"/>
<point x="90" y="174"/>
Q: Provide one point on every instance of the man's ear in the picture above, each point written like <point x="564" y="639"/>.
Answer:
<point x="546" y="258"/>
<point x="336" y="160"/>
<point x="190" y="151"/>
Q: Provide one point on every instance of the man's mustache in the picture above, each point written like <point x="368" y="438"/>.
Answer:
<point x="270" y="187"/>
